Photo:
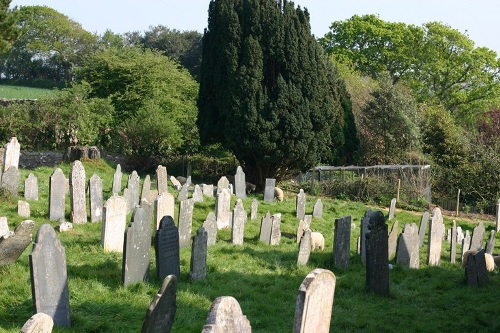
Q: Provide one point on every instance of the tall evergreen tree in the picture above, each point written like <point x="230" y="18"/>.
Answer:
<point x="8" y="27"/>
<point x="267" y="92"/>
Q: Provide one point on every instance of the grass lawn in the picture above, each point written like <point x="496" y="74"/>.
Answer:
<point x="12" y="92"/>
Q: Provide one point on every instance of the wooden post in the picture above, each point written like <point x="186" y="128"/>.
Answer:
<point x="399" y="187"/>
<point x="458" y="201"/>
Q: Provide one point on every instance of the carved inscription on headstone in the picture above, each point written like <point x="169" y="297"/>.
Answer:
<point x="167" y="249"/>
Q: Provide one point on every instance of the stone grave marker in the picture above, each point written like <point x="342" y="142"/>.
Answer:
<point x="198" y="265"/>
<point x="117" y="180"/>
<point x="300" y="230"/>
<point x="225" y="315"/>
<point x="77" y="193"/>
<point x="313" y="309"/>
<point x="269" y="189"/>
<point x="238" y="224"/>
<point x="275" y="229"/>
<point x="57" y="195"/>
<point x="460" y="235"/>
<point x="475" y="269"/>
<point x="377" y="263"/>
<point x="365" y="221"/>
<point x="127" y="195"/>
<point x="466" y="242"/>
<point x="38" y="323"/>
<point x="300" y="206"/>
<point x="304" y="248"/>
<point x="423" y="228"/>
<point x="408" y="253"/>
<point x="254" y="209"/>
<point x="222" y="209"/>
<point x="133" y="184"/>
<point x="146" y="188"/>
<point x="308" y="220"/>
<point x="95" y="198"/>
<point x="197" y="194"/>
<point x="177" y="184"/>
<point x="11" y="154"/>
<point x="240" y="183"/>
<point x="148" y="212"/>
<point x="161" y="179"/>
<point x="183" y="193"/>
<point x="453" y="243"/>
<point x="318" y="209"/>
<point x="342" y="242"/>
<point x="12" y="247"/>
<point x="23" y="208"/>
<point x="223" y="183"/>
<point x="208" y="190"/>
<point x="210" y="226"/>
<point x="478" y="233"/>
<point x="164" y="205"/>
<point x="167" y="249"/>
<point x="436" y="232"/>
<point x="393" y="240"/>
<point x="490" y="244"/>
<point x="10" y="180"/>
<point x="392" y="209"/>
<point x="186" y="208"/>
<point x="4" y="227"/>
<point x="31" y="187"/>
<point x="136" y="249"/>
<point x="266" y="226"/>
<point x="161" y="312"/>
<point x="114" y="216"/>
<point x="49" y="278"/>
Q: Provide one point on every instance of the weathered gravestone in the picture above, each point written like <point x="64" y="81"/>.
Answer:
<point x="300" y="206"/>
<point x="436" y="232"/>
<point x="408" y="253"/>
<point x="313" y="309"/>
<point x="377" y="263"/>
<point x="304" y="248"/>
<point x="161" y="179"/>
<point x="117" y="180"/>
<point x="300" y="230"/>
<point x="222" y="209"/>
<point x="365" y="221"/>
<point x="475" y="269"/>
<point x="308" y="220"/>
<point x="393" y="240"/>
<point x="254" y="209"/>
<point x="164" y="205"/>
<point x="318" y="209"/>
<point x="4" y="227"/>
<point x="275" y="229"/>
<point x="466" y="242"/>
<point x="23" y="208"/>
<point x="222" y="184"/>
<point x="127" y="195"/>
<point x="136" y="249"/>
<point x="161" y="312"/>
<point x="210" y="226"/>
<point x="12" y="247"/>
<point x="342" y="242"/>
<point x="38" y="323"/>
<point x="269" y="189"/>
<point x="77" y="193"/>
<point x="114" y="220"/>
<point x="197" y="194"/>
<point x="95" y="198"/>
<point x="423" y="228"/>
<point x="133" y="184"/>
<point x="208" y="190"/>
<point x="238" y="224"/>
<point x="490" y="244"/>
<point x="460" y="235"/>
<point x="49" y="278"/>
<point x="148" y="211"/>
<point x="265" y="228"/>
<point x="392" y="209"/>
<point x="167" y="249"/>
<point x="198" y="265"/>
<point x="10" y="180"/>
<point x="225" y="316"/>
<point x="240" y="183"/>
<point x="11" y="154"/>
<point x="186" y="208"/>
<point x="478" y="233"/>
<point x="175" y="183"/>
<point x="453" y="243"/>
<point x="183" y="193"/>
<point x="146" y="188"/>
<point x="57" y="195"/>
<point x="31" y="187"/>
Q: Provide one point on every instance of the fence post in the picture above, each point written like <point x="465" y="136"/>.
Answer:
<point x="399" y="187"/>
<point x="458" y="201"/>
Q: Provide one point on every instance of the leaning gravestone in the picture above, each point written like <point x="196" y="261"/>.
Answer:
<point x="117" y="180"/>
<point x="133" y="184"/>
<point x="186" y="208"/>
<point x="136" y="249"/>
<point x="23" y="208"/>
<point x="408" y="254"/>
<point x="377" y="263"/>
<point x="313" y="309"/>
<point x="300" y="206"/>
<point x="240" y="184"/>
<point x="318" y="209"/>
<point x="475" y="269"/>
<point x="365" y="221"/>
<point x="10" y="180"/>
<point x="223" y="183"/>
<point x="304" y="248"/>
<point x="222" y="209"/>
<point x="342" y="242"/>
<point x="254" y="210"/>
<point x="11" y="154"/>
<point x="210" y="226"/>
<point x="77" y="193"/>
<point x="466" y="242"/>
<point x="167" y="249"/>
<point x="392" y="209"/>
<point x="300" y="230"/>
<point x="269" y="189"/>
<point x="49" y="278"/>
<point x="423" y="228"/>
<point x="436" y="232"/>
<point x="31" y="187"/>
<point x="114" y="216"/>
<point x="161" y="179"/>
<point x="275" y="229"/>
<point x="161" y="312"/>
<point x="265" y="228"/>
<point x="490" y="244"/>
<point x="146" y="188"/>
<point x="197" y="194"/>
<point x="238" y="225"/>
<point x="453" y="243"/>
<point x="57" y="195"/>
<point x="198" y="266"/>
<point x="38" y="323"/>
<point x="393" y="240"/>
<point x="12" y="247"/>
<point x="476" y="242"/>
<point x="95" y="198"/>
<point x="164" y="205"/>
<point x="177" y="184"/>
<point x="225" y="316"/>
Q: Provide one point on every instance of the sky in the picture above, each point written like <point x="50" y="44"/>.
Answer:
<point x="477" y="18"/>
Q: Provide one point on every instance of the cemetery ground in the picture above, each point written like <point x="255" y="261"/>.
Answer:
<point x="22" y="92"/>
<point x="263" y="278"/>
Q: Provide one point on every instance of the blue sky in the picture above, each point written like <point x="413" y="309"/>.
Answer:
<point x="478" y="18"/>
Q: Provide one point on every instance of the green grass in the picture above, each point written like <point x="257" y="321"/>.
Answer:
<point x="264" y="279"/>
<point x="21" y="92"/>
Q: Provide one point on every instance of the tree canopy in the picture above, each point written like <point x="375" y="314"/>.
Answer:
<point x="8" y="28"/>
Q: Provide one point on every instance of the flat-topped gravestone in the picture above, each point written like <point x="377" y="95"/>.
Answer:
<point x="408" y="253"/>
<point x="117" y="180"/>
<point x="186" y="208"/>
<point x="377" y="263"/>
<point x="197" y="194"/>
<point x="167" y="249"/>
<point x="77" y="184"/>
<point x="254" y="209"/>
<point x="475" y="269"/>
<point x="466" y="242"/>
<point x="198" y="265"/>
<point x="436" y="232"/>
<point x="222" y="209"/>
<point x="300" y="206"/>
<point x="31" y="187"/>
<point x="23" y="208"/>
<point x="11" y="154"/>
<point x="12" y="247"/>
<point x="164" y="205"/>
<point x="423" y="228"/>
<point x="176" y="183"/>
<point x="10" y="180"/>
<point x="265" y="228"/>
<point x="238" y="224"/>
<point x="393" y="240"/>
<point x="225" y="315"/>
<point x="275" y="229"/>
<point x="240" y="184"/>
<point x="478" y="233"/>
<point x="304" y="248"/>
<point x="114" y="218"/>
<point x="210" y="226"/>
<point x="490" y="244"/>
<point x="161" y="312"/>
<point x="49" y="278"/>
<point x="453" y="243"/>
<point x="318" y="209"/>
<point x="95" y="198"/>
<point x="365" y="221"/>
<point x="342" y="242"/>
<point x="133" y="184"/>
<point x="222" y="184"/>
<point x="208" y="190"/>
<point x="183" y="193"/>
<point x="38" y="323"/>
<point x="300" y="230"/>
<point x="161" y="179"/>
<point x="136" y="249"/>
<point x="269" y="189"/>
<point x="313" y="309"/>
<point x="392" y="209"/>
<point x="146" y="188"/>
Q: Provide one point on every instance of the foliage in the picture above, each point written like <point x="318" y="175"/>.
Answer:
<point x="8" y="28"/>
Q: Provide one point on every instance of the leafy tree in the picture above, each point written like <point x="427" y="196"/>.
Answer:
<point x="8" y="28"/>
<point x="267" y="92"/>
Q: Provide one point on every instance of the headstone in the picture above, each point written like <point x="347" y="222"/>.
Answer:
<point x="497" y="217"/>
<point x="254" y="209"/>
<point x="167" y="249"/>
<point x="269" y="189"/>
<point x="475" y="269"/>
<point x="164" y="205"/>
<point x="183" y="193"/>
<point x="57" y="195"/>
<point x="49" y="278"/>
<point x="392" y="209"/>
<point x="222" y="209"/>
<point x="38" y="323"/>
<point x="239" y="220"/>
<point x="275" y="229"/>
<point x="77" y="193"/>
<point x="318" y="209"/>
<point x="12" y="247"/>
<point x="197" y="194"/>
<point x="65" y="226"/>
<point x="240" y="183"/>
<point x="223" y="183"/>
<point x="300" y="206"/>
<point x="266" y="226"/>
<point x="300" y="230"/>
<point x="198" y="266"/>
<point x="96" y="198"/>
<point x="177" y="184"/>
<point x="10" y="180"/>
<point x="460" y="235"/>
<point x="225" y="315"/>
<point x="423" y="228"/>
<point x="161" y="312"/>
<point x="133" y="185"/>
<point x="490" y="244"/>
<point x="31" y="187"/>
<point x="393" y="240"/>
<point x="308" y="220"/>
<point x="453" y="243"/>
<point x="146" y="188"/>
<point x="436" y="232"/>
<point x="476" y="242"/>
<point x="117" y="180"/>
<point x="148" y="212"/>
<point x="11" y="154"/>
<point x="377" y="263"/>
<point x="313" y="309"/>
<point x="466" y="242"/>
<point x="208" y="190"/>
<point x="304" y="248"/>
<point x="4" y="227"/>
<point x="188" y="180"/>
<point x="161" y="179"/>
<point x="186" y="208"/>
<point x="127" y="195"/>
<point x="342" y="242"/>
<point x="114" y="216"/>
<point x="210" y="226"/>
<point x="408" y="254"/>
<point x="365" y="221"/>
<point x="136" y="249"/>
<point x="23" y="208"/>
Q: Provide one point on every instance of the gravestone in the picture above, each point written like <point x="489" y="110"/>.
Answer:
<point x="377" y="263"/>
<point x="127" y="195"/>
<point x="318" y="209"/>
<point x="436" y="232"/>
<point x="453" y="243"/>
<point x="275" y="229"/>
<point x="423" y="228"/>
<point x="466" y="242"/>
<point x="342" y="242"/>
<point x="117" y="180"/>
<point x="210" y="226"/>
<point x="304" y="248"/>
<point x="365" y="221"/>
<point x="225" y="316"/>
<point x="183" y="193"/>
<point x="133" y="184"/>
<point x="95" y="198"/>
<point x="223" y="183"/>
<point x="186" y="208"/>
<point x="408" y="254"/>
<point x="57" y="195"/>
<point x="478" y="233"/>
<point x="31" y="187"/>
<point x="49" y="278"/>
<point x="4" y="227"/>
<point x="308" y="220"/>
<point x="167" y="249"/>
<point x="208" y="190"/>
<point x="10" y="180"/>
<point x="313" y="308"/>
<point x="240" y="184"/>
<point x="11" y="154"/>
<point x="490" y="244"/>
<point x="12" y="247"/>
<point x="300" y="230"/>
<point x="38" y="323"/>
<point x="146" y="188"/>
<point x="269" y="189"/>
<point x="198" y="265"/>
<point x="392" y="209"/>
<point x="475" y="269"/>
<point x="460" y="235"/>
<point x="197" y="194"/>
<point x="114" y="216"/>
<point x="266" y="226"/>
<point x="77" y="196"/>
<point x="300" y="206"/>
<point x="254" y="209"/>
<point x="177" y="184"/>
<point x="164" y="205"/>
<point x="393" y="240"/>
<point x="161" y="312"/>
<point x="136" y="249"/>
<point x="222" y="209"/>
<point x="148" y="212"/>
<point x="161" y="179"/>
<point x="23" y="208"/>
<point x="238" y="225"/>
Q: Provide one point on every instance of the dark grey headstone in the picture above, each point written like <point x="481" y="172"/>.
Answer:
<point x="477" y="239"/>
<point x="254" y="210"/>
<point x="31" y="187"/>
<point x="186" y="208"/>
<point x="475" y="269"/>
<point x="318" y="209"/>
<point x="225" y="316"/>
<point x="161" y="179"/>
<point x="423" y="228"/>
<point x="10" y="180"/>
<point x="49" y="278"/>
<point x="269" y="189"/>
<point x="304" y="248"/>
<point x="393" y="240"/>
<point x="408" y="252"/>
<point x="117" y="180"/>
<point x="77" y="196"/>
<point x="265" y="229"/>
<point x="300" y="206"/>
<point x="377" y="263"/>
<point x="453" y="243"/>
<point x="436" y="232"/>
<point x="240" y="183"/>
<point x="198" y="267"/>
<point x="95" y="198"/>
<point x="12" y="247"/>
<point x="210" y="226"/>
<point x="490" y="244"/>
<point x="167" y="249"/>
<point x="239" y="221"/>
<point x="146" y="188"/>
<point x="136" y="249"/>
<point x="161" y="312"/>
<point x="365" y="220"/>
<point x="342" y="242"/>
<point x="392" y="209"/>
